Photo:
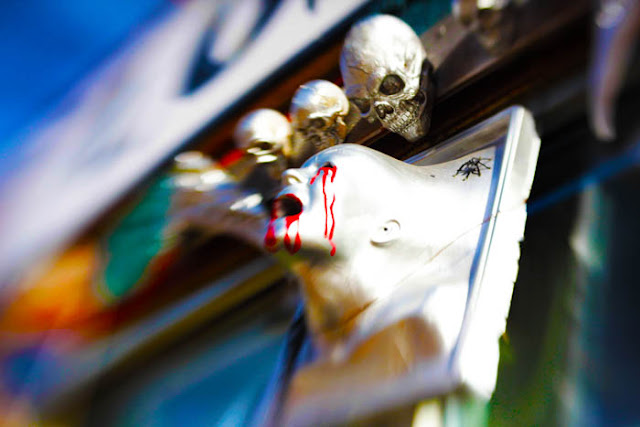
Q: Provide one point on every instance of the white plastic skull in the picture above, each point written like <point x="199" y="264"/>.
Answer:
<point x="381" y="64"/>
<point x="318" y="111"/>
<point x="265" y="133"/>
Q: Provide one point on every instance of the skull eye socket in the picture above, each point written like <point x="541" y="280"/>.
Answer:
<point x="317" y="123"/>
<point x="263" y="145"/>
<point x="363" y="104"/>
<point x="391" y="85"/>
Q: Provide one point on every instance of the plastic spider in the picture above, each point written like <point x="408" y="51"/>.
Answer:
<point x="471" y="167"/>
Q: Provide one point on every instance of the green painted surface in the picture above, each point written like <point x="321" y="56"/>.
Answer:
<point x="419" y="14"/>
<point x="136" y="240"/>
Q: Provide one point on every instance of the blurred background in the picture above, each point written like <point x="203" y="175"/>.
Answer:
<point x="49" y="47"/>
<point x="108" y="318"/>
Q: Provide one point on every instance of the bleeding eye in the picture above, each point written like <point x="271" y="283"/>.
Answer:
<point x="363" y="104"/>
<point x="328" y="165"/>
<point x="391" y="85"/>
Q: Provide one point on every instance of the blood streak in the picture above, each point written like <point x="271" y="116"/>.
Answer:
<point x="328" y="207"/>
<point x="270" y="239"/>
<point x="287" y="239"/>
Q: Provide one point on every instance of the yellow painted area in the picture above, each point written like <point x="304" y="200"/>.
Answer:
<point x="59" y="296"/>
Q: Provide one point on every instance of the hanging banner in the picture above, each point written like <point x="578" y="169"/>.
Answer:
<point x="141" y="107"/>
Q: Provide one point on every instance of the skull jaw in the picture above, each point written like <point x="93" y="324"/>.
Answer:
<point x="325" y="142"/>
<point x="411" y="125"/>
<point x="264" y="150"/>
<point x="415" y="130"/>
<point x="325" y="138"/>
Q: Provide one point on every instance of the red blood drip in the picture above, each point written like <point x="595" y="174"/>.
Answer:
<point x="270" y="238"/>
<point x="287" y="240"/>
<point x="333" y="226"/>
<point x="328" y="210"/>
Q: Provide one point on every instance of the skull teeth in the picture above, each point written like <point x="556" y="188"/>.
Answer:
<point x="400" y="121"/>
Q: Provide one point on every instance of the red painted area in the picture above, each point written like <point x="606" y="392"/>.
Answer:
<point x="328" y="208"/>
<point x="231" y="157"/>
<point x="270" y="238"/>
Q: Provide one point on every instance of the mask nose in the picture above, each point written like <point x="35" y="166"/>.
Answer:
<point x="292" y="176"/>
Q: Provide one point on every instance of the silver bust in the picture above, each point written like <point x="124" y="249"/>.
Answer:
<point x="354" y="233"/>
<point x="406" y="270"/>
<point x="382" y="66"/>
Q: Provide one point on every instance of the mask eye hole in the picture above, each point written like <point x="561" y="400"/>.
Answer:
<point x="363" y="104"/>
<point x="391" y="85"/>
<point x="328" y="165"/>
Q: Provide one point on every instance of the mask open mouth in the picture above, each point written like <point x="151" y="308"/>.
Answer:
<point x="286" y="205"/>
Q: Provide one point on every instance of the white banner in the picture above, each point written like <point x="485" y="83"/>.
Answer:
<point x="142" y="106"/>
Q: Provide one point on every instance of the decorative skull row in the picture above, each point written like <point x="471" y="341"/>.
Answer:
<point x="318" y="112"/>
<point x="385" y="80"/>
<point x="384" y="77"/>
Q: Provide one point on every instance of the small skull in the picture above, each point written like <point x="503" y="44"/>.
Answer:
<point x="194" y="177"/>
<point x="195" y="172"/>
<point x="264" y="133"/>
<point x="191" y="161"/>
<point x="381" y="64"/>
<point x="318" y="111"/>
